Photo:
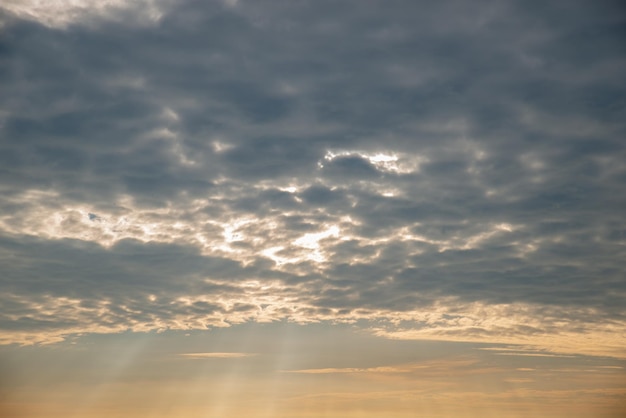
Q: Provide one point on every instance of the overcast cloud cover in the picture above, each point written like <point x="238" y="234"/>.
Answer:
<point x="433" y="170"/>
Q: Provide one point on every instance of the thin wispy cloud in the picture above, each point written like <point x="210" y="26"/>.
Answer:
<point x="350" y="370"/>
<point x="198" y="356"/>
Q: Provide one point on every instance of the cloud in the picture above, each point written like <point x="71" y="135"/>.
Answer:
<point x="349" y="370"/>
<point x="62" y="13"/>
<point x="452" y="172"/>
<point x="197" y="356"/>
<point x="432" y="368"/>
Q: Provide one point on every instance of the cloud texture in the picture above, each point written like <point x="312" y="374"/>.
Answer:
<point x="448" y="171"/>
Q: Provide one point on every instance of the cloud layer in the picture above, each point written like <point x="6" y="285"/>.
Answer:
<point x="437" y="171"/>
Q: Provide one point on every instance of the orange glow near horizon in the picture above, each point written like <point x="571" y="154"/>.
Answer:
<point x="297" y="371"/>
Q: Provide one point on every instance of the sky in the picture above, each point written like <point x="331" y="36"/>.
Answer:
<point x="312" y="208"/>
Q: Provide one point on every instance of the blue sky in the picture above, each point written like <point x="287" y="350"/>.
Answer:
<point x="446" y="175"/>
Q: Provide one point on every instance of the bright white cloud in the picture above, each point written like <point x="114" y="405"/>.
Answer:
<point x="61" y="13"/>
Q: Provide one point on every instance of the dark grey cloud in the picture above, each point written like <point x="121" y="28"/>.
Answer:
<point x="380" y="156"/>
